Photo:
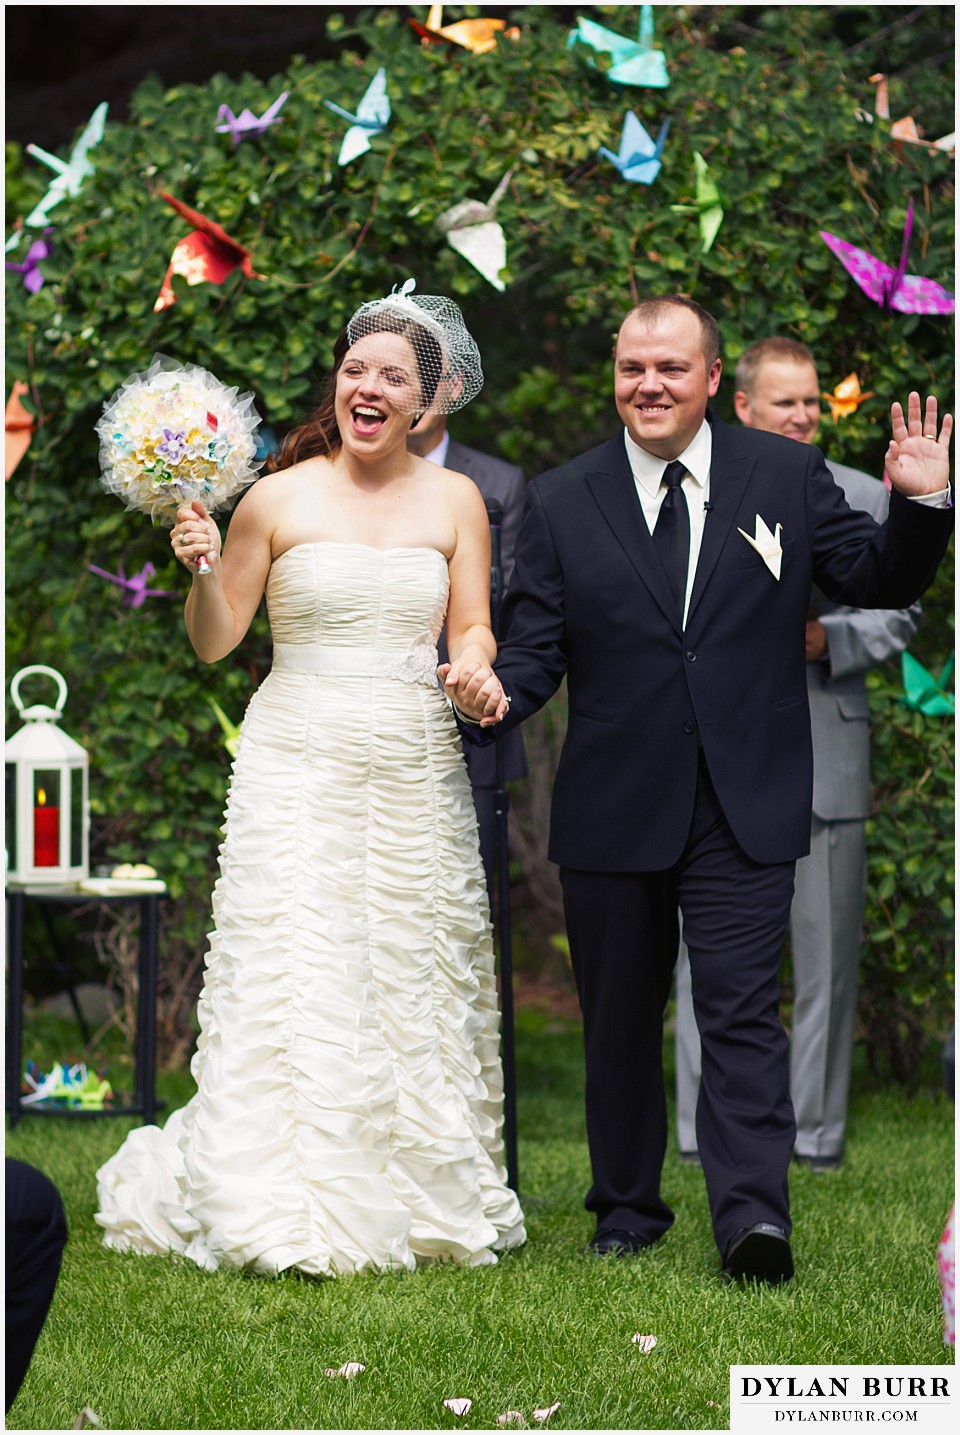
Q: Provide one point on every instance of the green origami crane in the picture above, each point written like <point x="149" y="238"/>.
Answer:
<point x="707" y="204"/>
<point x="924" y="693"/>
<point x="231" y="733"/>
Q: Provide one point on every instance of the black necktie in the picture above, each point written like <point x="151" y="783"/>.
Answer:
<point x="672" y="533"/>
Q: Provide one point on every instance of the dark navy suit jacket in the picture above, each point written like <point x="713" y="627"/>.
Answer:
<point x="589" y="600"/>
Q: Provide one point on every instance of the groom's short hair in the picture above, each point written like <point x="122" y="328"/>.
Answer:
<point x="766" y="351"/>
<point x="649" y="311"/>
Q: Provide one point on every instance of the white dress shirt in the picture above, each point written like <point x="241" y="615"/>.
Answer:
<point x="438" y="455"/>
<point x="647" y="472"/>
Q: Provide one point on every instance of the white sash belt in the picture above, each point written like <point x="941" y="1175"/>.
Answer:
<point x="415" y="664"/>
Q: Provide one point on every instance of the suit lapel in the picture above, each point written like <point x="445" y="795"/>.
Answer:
<point x="730" y="472"/>
<point x="615" y="492"/>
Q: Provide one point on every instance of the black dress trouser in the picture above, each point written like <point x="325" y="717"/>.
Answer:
<point x="623" y="933"/>
<point x="36" y="1236"/>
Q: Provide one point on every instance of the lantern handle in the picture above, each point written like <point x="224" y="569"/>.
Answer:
<point x="39" y="668"/>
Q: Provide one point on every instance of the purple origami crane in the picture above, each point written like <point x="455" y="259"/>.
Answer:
<point x="246" y="122"/>
<point x="30" y="268"/>
<point x="135" y="590"/>
<point x="892" y="288"/>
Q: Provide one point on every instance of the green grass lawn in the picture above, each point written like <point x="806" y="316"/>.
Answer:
<point x="153" y="1343"/>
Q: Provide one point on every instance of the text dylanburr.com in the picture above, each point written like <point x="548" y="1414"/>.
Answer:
<point x="779" y="1398"/>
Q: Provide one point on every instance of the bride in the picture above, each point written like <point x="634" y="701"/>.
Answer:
<point x="348" y="1112"/>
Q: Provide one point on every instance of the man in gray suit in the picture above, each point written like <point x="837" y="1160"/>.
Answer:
<point x="778" y="391"/>
<point x="503" y="483"/>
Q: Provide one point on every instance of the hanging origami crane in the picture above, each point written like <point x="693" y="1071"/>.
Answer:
<point x="135" y="590"/>
<point x="892" y="288"/>
<point x="245" y="124"/>
<point x="632" y="62"/>
<point x="707" y="205"/>
<point x="371" y="118"/>
<point x="479" y="36"/>
<point x="905" y="131"/>
<point x="70" y="173"/>
<point x="205" y="256"/>
<point x="30" y="268"/>
<point x="923" y="692"/>
<point x="846" y="398"/>
<point x="231" y="732"/>
<point x="20" y="424"/>
<point x="472" y="230"/>
<point x="639" y="156"/>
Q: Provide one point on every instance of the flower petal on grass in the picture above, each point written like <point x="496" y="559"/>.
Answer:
<point x="459" y="1404"/>
<point x="542" y="1415"/>
<point x="645" y="1342"/>
<point x="348" y="1371"/>
<point x="511" y="1417"/>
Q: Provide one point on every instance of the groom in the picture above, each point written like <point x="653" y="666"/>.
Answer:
<point x="667" y="574"/>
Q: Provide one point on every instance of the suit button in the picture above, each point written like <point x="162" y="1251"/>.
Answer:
<point x="691" y="657"/>
<point x="689" y="727"/>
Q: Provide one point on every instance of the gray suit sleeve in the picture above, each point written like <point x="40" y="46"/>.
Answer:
<point x="860" y="638"/>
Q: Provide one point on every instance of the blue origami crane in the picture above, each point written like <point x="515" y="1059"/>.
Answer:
<point x="632" y="62"/>
<point x="70" y="173"/>
<point x="246" y="122"/>
<point x="371" y="118"/>
<point x="135" y="590"/>
<point x="639" y="157"/>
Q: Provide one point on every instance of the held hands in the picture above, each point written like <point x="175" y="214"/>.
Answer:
<point x="918" y="460"/>
<point x="475" y="690"/>
<point x="195" y="533"/>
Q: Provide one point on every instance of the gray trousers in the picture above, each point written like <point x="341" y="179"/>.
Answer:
<point x="825" y="922"/>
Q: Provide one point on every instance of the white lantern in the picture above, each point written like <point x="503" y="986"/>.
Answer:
<point x="48" y="813"/>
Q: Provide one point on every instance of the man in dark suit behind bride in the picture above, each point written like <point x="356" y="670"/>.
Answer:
<point x="667" y="574"/>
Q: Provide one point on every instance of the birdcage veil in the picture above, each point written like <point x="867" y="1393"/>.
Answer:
<point x="448" y="360"/>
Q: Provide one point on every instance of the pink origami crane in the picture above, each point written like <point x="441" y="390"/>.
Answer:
<point x="246" y="123"/>
<point x="30" y="268"/>
<point x="135" y="590"/>
<point x="888" y="287"/>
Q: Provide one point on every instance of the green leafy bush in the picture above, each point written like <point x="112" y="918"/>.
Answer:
<point x="770" y="97"/>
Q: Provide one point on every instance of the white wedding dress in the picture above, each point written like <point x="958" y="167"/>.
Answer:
<point x="349" y="1099"/>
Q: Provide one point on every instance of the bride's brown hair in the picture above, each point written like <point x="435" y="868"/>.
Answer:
<point x="320" y="433"/>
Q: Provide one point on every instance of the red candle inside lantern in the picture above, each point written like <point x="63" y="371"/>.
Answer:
<point x="46" y="833"/>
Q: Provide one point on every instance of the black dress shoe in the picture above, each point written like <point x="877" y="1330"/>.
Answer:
<point x="818" y="1163"/>
<point x="759" y="1253"/>
<point x="607" y="1241"/>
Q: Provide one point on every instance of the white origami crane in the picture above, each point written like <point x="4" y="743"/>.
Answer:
<point x="473" y="231"/>
<point x="767" y="545"/>
<point x="371" y="118"/>
<point x="70" y="173"/>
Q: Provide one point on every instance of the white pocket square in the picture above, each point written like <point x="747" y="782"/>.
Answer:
<point x="767" y="545"/>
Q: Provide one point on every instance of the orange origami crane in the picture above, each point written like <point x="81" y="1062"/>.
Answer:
<point x="905" y="131"/>
<point x="846" y="398"/>
<point x="20" y="425"/>
<point x="205" y="256"/>
<point x="479" y="36"/>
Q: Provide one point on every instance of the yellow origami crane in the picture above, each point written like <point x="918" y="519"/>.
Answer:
<point x="478" y="36"/>
<point x="846" y="398"/>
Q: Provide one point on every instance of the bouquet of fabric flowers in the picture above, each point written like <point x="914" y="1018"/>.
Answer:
<point x="172" y="434"/>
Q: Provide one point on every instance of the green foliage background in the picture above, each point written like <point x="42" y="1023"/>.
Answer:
<point x="769" y="95"/>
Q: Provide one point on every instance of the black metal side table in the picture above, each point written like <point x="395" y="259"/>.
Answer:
<point x="144" y="1097"/>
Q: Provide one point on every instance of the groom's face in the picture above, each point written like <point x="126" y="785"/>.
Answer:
<point x="662" y="380"/>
